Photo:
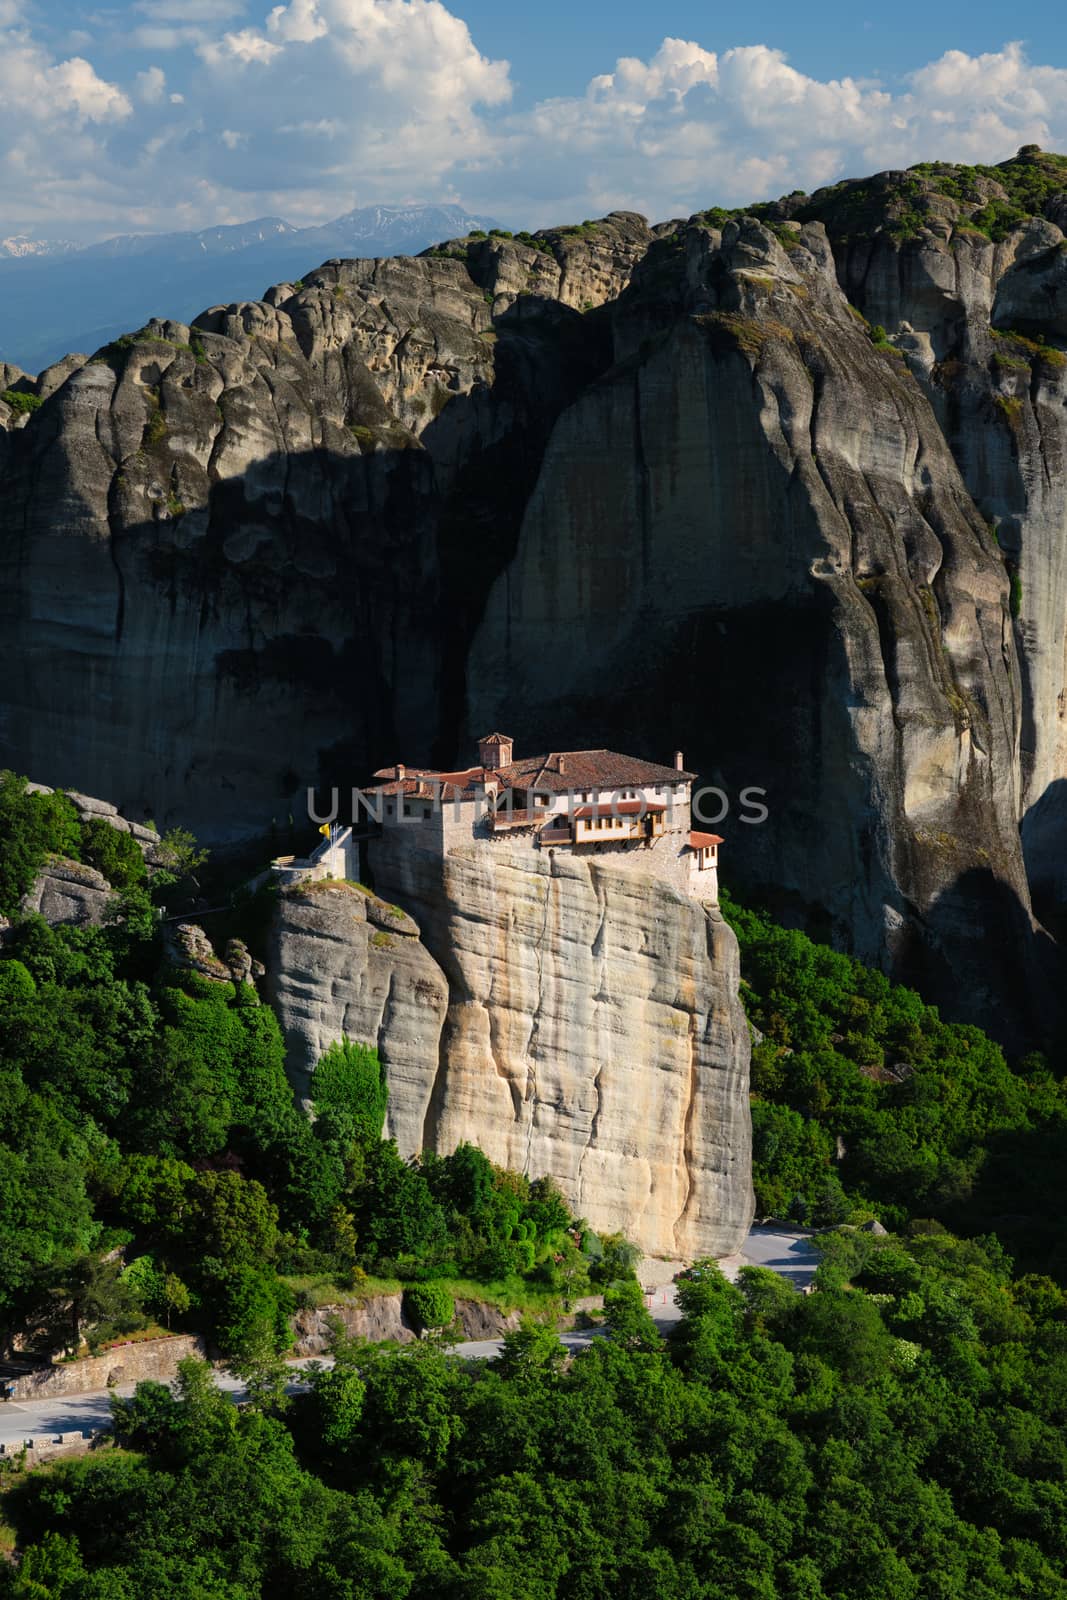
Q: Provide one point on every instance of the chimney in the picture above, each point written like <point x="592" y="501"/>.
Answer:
<point x="401" y="771"/>
<point x="562" y="765"/>
<point x="679" y="763"/>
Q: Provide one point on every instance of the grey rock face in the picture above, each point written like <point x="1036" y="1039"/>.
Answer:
<point x="984" y="323"/>
<point x="334" y="973"/>
<point x="621" y="486"/>
<point x="67" y="893"/>
<point x="188" y="946"/>
<point x="797" y="588"/>
<point x="379" y="1317"/>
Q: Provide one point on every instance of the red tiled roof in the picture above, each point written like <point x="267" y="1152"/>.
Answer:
<point x="703" y="841"/>
<point x="419" y="788"/>
<point x="621" y="808"/>
<point x="582" y="769"/>
<point x="496" y="738"/>
<point x="418" y="781"/>
<point x="588" y="769"/>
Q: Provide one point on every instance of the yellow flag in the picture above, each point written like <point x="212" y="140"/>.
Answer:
<point x="325" y="829"/>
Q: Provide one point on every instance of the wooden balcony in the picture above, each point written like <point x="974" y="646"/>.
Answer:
<point x="501" y="820"/>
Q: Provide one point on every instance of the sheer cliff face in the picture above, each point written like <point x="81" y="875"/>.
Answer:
<point x="982" y="326"/>
<point x="753" y="531"/>
<point x="641" y="488"/>
<point x="569" y="1019"/>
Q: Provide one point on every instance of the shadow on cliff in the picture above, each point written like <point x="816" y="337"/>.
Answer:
<point x="309" y="621"/>
<point x="979" y="956"/>
<point x="1044" y="836"/>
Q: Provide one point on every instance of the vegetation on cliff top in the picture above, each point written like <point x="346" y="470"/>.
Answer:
<point x="988" y="200"/>
<point x="983" y="200"/>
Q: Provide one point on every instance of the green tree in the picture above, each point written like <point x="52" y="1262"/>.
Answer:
<point x="628" y="1319"/>
<point x="31" y="827"/>
<point x="429" y="1305"/>
<point x="252" y="1322"/>
<point x="349" y="1078"/>
<point x="117" y="855"/>
<point x="232" y="1219"/>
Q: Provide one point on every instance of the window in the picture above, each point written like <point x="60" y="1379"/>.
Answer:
<point x="407" y="809"/>
<point x="388" y="808"/>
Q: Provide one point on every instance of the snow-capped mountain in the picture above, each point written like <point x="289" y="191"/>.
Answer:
<point x="19" y="245"/>
<point x="56" y="297"/>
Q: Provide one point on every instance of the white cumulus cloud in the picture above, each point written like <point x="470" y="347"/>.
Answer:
<point x="308" y="107"/>
<point x="151" y="85"/>
<point x="691" y="127"/>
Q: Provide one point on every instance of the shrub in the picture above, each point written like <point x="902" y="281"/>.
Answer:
<point x="179" y="854"/>
<point x="117" y="855"/>
<point x="429" y="1305"/>
<point x="349" y="1078"/>
<point x="20" y="401"/>
<point x="155" y="428"/>
<point x="32" y="826"/>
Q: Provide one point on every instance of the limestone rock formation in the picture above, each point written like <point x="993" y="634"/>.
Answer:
<point x="69" y="893"/>
<point x="979" y="314"/>
<point x="610" y="484"/>
<point x="344" y="966"/>
<point x="569" y="1018"/>
<point x="796" y="587"/>
<point x="187" y="946"/>
<point x="379" y="1317"/>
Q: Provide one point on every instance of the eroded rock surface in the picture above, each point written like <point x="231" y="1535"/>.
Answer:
<point x="336" y="972"/>
<point x="569" y="1019"/>
<point x="593" y="1033"/>
<point x="647" y="488"/>
<point x="982" y="322"/>
<point x="68" y="893"/>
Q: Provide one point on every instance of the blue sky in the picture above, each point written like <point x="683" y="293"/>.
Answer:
<point x="157" y="114"/>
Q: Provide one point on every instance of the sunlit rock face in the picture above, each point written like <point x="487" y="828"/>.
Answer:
<point x="570" y="1019"/>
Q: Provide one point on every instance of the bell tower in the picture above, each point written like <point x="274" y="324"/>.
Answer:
<point x="494" y="751"/>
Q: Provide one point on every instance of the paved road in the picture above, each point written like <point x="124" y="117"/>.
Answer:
<point x="786" y="1251"/>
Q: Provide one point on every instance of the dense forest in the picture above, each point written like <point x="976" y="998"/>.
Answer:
<point x="897" y="1435"/>
<point x="865" y="1103"/>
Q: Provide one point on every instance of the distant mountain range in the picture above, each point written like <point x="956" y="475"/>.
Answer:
<point x="18" y="245"/>
<point x="56" y="296"/>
